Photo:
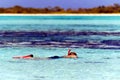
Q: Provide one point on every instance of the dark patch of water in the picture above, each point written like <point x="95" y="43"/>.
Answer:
<point x="60" y="39"/>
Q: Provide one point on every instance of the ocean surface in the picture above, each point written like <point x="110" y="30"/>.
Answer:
<point x="94" y="38"/>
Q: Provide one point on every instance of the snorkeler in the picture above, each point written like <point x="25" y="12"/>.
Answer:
<point x="69" y="55"/>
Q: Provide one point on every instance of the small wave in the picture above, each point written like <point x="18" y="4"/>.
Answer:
<point x="19" y="61"/>
<point x="94" y="62"/>
<point x="107" y="58"/>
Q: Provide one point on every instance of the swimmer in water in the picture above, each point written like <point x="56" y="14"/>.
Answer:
<point x="69" y="55"/>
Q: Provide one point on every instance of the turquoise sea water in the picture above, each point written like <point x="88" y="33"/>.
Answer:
<point x="94" y="38"/>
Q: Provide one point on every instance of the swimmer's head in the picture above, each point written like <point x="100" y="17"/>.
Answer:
<point x="73" y="53"/>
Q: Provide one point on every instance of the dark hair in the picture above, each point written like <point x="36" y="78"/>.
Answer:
<point x="73" y="53"/>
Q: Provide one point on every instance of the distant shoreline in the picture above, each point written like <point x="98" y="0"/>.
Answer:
<point x="59" y="14"/>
